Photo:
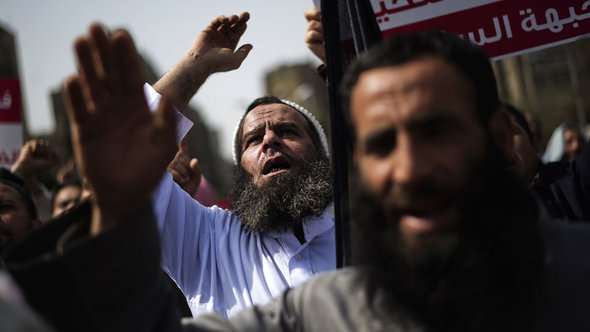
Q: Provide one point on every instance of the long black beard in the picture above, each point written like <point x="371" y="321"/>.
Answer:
<point x="487" y="276"/>
<point x="285" y="200"/>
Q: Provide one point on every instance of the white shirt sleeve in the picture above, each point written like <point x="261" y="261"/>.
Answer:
<point x="188" y="235"/>
<point x="183" y="125"/>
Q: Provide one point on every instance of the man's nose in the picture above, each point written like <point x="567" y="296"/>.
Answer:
<point x="407" y="162"/>
<point x="271" y="140"/>
<point x="575" y="145"/>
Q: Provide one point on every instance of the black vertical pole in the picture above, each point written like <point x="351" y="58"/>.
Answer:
<point x="359" y="16"/>
<point x="330" y="22"/>
<point x="365" y="29"/>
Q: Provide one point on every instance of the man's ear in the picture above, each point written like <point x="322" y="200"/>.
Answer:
<point x="501" y="128"/>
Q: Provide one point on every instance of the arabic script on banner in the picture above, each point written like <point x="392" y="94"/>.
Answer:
<point x="501" y="28"/>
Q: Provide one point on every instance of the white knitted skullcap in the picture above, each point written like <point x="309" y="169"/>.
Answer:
<point x="317" y="126"/>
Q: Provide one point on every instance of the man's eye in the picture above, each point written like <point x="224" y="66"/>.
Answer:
<point x="287" y="132"/>
<point x="382" y="144"/>
<point x="252" y="141"/>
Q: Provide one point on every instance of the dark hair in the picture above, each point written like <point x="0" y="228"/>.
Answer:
<point x="60" y="186"/>
<point x="572" y="126"/>
<point x="10" y="179"/>
<point x="521" y="120"/>
<point x="311" y="131"/>
<point x="403" y="48"/>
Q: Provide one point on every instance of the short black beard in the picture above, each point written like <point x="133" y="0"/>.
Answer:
<point x="487" y="277"/>
<point x="285" y="199"/>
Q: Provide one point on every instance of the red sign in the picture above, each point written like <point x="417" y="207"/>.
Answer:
<point x="10" y="101"/>
<point x="9" y="156"/>
<point x="501" y="28"/>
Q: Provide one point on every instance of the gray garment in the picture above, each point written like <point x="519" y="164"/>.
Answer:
<point x="333" y="301"/>
<point x="14" y="318"/>
<point x="337" y="301"/>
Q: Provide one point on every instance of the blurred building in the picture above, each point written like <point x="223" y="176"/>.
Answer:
<point x="551" y="84"/>
<point x="300" y="83"/>
<point x="8" y="59"/>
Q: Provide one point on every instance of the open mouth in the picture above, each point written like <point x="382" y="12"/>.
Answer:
<point x="428" y="217"/>
<point x="275" y="165"/>
<point x="429" y="220"/>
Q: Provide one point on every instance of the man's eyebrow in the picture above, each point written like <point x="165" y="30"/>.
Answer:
<point x="286" y="125"/>
<point x="252" y="131"/>
<point x="278" y="125"/>
<point x="433" y="119"/>
<point x="377" y="136"/>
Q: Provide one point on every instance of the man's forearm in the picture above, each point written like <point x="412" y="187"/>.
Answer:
<point x="212" y="51"/>
<point x="182" y="81"/>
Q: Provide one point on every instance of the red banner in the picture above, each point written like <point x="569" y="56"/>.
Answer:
<point x="8" y="156"/>
<point x="10" y="101"/>
<point x="501" y="28"/>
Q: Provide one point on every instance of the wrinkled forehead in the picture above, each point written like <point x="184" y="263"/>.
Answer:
<point x="272" y="114"/>
<point x="411" y="91"/>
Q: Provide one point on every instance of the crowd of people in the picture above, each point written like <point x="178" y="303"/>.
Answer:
<point x="461" y="224"/>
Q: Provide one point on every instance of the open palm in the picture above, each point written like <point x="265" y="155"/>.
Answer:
<point x="120" y="147"/>
<point x="217" y="43"/>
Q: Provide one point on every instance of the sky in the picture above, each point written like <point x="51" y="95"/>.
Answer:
<point x="163" y="31"/>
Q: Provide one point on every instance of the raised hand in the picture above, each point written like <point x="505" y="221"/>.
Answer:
<point x="36" y="156"/>
<point x="216" y="44"/>
<point x="213" y="50"/>
<point x="120" y="146"/>
<point x="314" y="36"/>
<point x="185" y="171"/>
<point x="67" y="172"/>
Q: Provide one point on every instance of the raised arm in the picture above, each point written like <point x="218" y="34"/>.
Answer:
<point x="212" y="51"/>
<point x="36" y="156"/>
<point x="120" y="146"/>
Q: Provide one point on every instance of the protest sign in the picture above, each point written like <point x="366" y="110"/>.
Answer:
<point x="11" y="131"/>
